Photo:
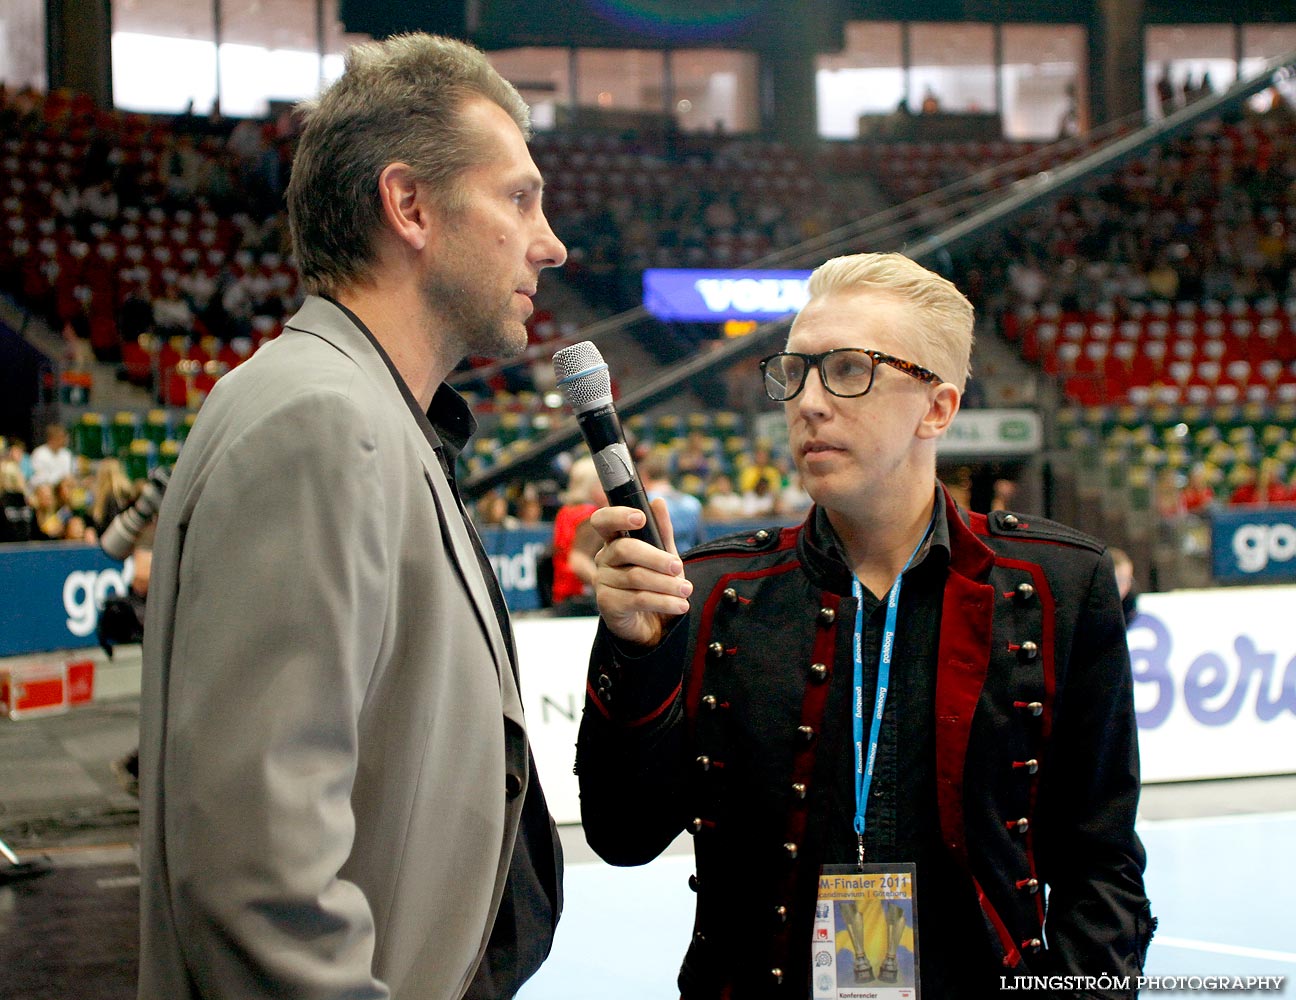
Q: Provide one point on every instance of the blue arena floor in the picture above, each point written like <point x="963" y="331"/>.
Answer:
<point x="1224" y="888"/>
<point x="1221" y="875"/>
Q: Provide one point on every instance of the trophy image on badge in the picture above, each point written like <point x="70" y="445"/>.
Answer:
<point x="854" y="918"/>
<point x="893" y="913"/>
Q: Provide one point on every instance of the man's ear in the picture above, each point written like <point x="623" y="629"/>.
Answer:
<point x="404" y="205"/>
<point x="940" y="411"/>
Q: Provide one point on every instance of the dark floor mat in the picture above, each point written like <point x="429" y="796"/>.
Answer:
<point x="72" y="934"/>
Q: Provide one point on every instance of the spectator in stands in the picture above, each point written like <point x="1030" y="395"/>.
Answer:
<point x="1198" y="495"/>
<point x="723" y="503"/>
<point x="1165" y="91"/>
<point x="694" y="457"/>
<point x="1005" y="491"/>
<point x="793" y="502"/>
<point x="493" y="510"/>
<point x="66" y="202"/>
<point x="25" y="108"/>
<point x="1163" y="279"/>
<point x="172" y="316"/>
<point x="237" y="302"/>
<point x="112" y="493"/>
<point x="70" y="497"/>
<point x="246" y="143"/>
<point x="684" y="508"/>
<point x="760" y="500"/>
<point x="136" y="314"/>
<point x="574" y="542"/>
<point x="45" y="508"/>
<point x="1169" y="497"/>
<point x="959" y="485"/>
<point x="1202" y="89"/>
<point x="121" y="621"/>
<point x="1124" y="568"/>
<point x="761" y="466"/>
<point x="720" y="689"/>
<point x="78" y="356"/>
<point x="368" y="824"/>
<point x="75" y="529"/>
<point x="530" y="510"/>
<point x="17" y="519"/>
<point x="1259" y="488"/>
<point x="16" y="451"/>
<point x="183" y="170"/>
<point x="1027" y="280"/>
<point x="975" y="396"/>
<point x="898" y="125"/>
<point x="51" y="461"/>
<point x="197" y="288"/>
<point x="1069" y="122"/>
<point x="99" y="203"/>
<point x="218" y="184"/>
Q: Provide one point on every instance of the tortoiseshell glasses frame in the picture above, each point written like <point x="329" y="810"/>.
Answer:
<point x="842" y="370"/>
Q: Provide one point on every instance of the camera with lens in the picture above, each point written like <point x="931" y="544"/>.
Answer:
<point x="119" y="538"/>
<point x="121" y="621"/>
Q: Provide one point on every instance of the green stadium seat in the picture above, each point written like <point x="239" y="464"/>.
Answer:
<point x="122" y="432"/>
<point x="185" y="426"/>
<point x="138" y="458"/>
<point x="156" y="427"/>
<point x="88" y="436"/>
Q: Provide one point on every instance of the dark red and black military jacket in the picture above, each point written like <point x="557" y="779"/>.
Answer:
<point x="718" y="731"/>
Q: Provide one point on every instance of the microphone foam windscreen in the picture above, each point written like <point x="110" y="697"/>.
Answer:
<point x="583" y="375"/>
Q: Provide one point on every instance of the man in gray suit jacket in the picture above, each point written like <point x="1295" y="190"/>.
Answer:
<point x="337" y="793"/>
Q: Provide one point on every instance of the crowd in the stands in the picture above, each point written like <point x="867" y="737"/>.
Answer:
<point x="50" y="494"/>
<point x="161" y="243"/>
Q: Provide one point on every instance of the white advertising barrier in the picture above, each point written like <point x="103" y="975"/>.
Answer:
<point x="553" y="658"/>
<point x="1215" y="682"/>
<point x="1214" y="687"/>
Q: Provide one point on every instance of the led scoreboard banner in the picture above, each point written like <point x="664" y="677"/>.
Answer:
<point x="713" y="296"/>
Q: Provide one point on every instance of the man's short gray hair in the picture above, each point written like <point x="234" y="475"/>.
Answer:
<point x="400" y="100"/>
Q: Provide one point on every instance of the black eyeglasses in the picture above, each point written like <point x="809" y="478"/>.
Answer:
<point x="846" y="371"/>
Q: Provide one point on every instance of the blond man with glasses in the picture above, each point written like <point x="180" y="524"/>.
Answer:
<point x="902" y="734"/>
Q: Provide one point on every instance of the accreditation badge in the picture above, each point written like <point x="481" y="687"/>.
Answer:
<point x="865" y="938"/>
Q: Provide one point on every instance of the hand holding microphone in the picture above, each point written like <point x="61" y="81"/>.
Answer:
<point x="638" y="588"/>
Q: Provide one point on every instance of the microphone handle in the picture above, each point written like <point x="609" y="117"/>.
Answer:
<point x="607" y="444"/>
<point x="633" y="495"/>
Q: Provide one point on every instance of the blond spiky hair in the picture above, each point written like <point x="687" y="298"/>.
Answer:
<point x="942" y="332"/>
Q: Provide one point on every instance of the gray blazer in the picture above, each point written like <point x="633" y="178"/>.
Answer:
<point x="333" y="751"/>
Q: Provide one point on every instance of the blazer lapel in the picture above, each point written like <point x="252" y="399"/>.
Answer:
<point x="322" y="319"/>
<point x="463" y="555"/>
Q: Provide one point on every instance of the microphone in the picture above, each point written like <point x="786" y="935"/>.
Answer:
<point x="583" y="375"/>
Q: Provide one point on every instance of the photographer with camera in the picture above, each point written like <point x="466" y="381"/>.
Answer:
<point x="120" y="537"/>
<point x="121" y="619"/>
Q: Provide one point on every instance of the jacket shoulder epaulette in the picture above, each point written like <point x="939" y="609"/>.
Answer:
<point x="1006" y="524"/>
<point x="740" y="543"/>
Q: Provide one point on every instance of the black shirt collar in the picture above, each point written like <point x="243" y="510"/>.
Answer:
<point x="448" y="422"/>
<point x="825" y="560"/>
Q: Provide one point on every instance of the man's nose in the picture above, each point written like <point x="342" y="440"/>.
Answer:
<point x="813" y="397"/>
<point x="548" y="249"/>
